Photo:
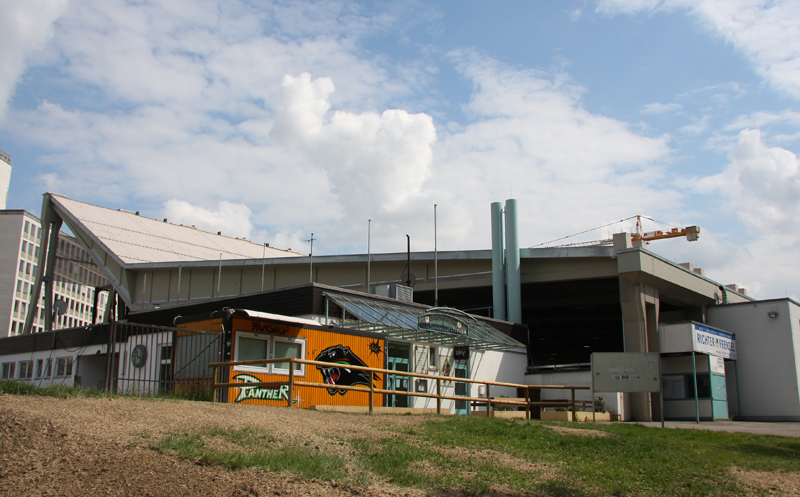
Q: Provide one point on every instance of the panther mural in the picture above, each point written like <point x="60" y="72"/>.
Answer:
<point x="341" y="374"/>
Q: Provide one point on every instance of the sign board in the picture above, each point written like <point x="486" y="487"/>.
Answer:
<point x="436" y="321"/>
<point x="461" y="353"/>
<point x="713" y="342"/>
<point x="626" y="372"/>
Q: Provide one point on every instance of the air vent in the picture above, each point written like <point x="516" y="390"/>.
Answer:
<point x="395" y="291"/>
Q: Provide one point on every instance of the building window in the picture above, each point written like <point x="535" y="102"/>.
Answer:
<point x="288" y="347"/>
<point x="27" y="226"/>
<point x="253" y="346"/>
<point x="64" y="366"/>
<point x="25" y="370"/>
<point x="8" y="370"/>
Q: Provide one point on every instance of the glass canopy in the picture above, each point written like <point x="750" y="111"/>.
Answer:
<point x="403" y="322"/>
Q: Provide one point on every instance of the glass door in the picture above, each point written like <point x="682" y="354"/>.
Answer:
<point x="461" y="371"/>
<point x="399" y="360"/>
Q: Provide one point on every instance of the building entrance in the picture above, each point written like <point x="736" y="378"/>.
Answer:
<point x="399" y="355"/>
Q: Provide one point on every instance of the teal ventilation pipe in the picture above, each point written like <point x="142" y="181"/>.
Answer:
<point x="498" y="265"/>
<point x="513" y="278"/>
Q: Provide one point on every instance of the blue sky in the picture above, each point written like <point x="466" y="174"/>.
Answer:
<point x="276" y="120"/>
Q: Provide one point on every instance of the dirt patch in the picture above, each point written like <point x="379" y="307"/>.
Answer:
<point x="78" y="446"/>
<point x="772" y="482"/>
<point x="577" y="431"/>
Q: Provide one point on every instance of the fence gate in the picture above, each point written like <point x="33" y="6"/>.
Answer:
<point x="153" y="360"/>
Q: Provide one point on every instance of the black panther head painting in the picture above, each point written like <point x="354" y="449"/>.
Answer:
<point x="340" y="374"/>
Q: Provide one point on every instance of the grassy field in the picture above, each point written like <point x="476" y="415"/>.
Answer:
<point x="480" y="456"/>
<point x="460" y="455"/>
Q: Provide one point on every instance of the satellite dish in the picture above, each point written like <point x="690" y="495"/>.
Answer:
<point x="59" y="307"/>
<point x="408" y="280"/>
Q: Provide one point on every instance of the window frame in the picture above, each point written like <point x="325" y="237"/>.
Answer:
<point x="7" y="370"/>
<point x="271" y="340"/>
<point x="69" y="363"/>
<point x="25" y="367"/>
<point x="300" y="369"/>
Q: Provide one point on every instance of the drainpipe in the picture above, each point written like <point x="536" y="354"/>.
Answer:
<point x="513" y="277"/>
<point x="498" y="267"/>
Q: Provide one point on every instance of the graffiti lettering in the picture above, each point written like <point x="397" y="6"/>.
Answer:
<point x="259" y="393"/>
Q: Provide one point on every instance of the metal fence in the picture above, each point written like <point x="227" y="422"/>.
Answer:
<point x="490" y="402"/>
<point x="155" y="360"/>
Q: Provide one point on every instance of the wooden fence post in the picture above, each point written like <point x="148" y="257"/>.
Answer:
<point x="214" y="386"/>
<point x="574" y="414"/>
<point x="371" y="394"/>
<point x="489" y="412"/>
<point x="438" y="396"/>
<point x="291" y="381"/>
<point x="527" y="402"/>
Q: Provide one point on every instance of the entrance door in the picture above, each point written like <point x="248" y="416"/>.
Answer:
<point x="399" y="358"/>
<point x="461" y="371"/>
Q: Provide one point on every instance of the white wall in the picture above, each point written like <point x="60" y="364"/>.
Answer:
<point x="613" y="401"/>
<point x="53" y="355"/>
<point x="504" y="367"/>
<point x="767" y="357"/>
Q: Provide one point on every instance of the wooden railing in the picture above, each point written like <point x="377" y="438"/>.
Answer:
<point x="372" y="390"/>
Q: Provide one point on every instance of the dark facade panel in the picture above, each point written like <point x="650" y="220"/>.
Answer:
<point x="72" y="338"/>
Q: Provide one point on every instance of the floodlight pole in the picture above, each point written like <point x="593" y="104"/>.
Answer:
<point x="435" y="263"/>
<point x="311" y="260"/>
<point x="369" y="251"/>
<point x="263" y="262"/>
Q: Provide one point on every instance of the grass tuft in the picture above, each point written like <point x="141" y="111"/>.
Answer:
<point x="252" y="448"/>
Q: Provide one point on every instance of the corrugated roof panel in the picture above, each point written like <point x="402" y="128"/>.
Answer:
<point x="137" y="239"/>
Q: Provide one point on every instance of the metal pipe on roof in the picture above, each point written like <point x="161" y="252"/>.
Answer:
<point x="498" y="266"/>
<point x="435" y="263"/>
<point x="513" y="276"/>
<point x="263" y="263"/>
<point x="219" y="278"/>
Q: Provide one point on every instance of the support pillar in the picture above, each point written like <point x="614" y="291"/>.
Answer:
<point x="639" y="303"/>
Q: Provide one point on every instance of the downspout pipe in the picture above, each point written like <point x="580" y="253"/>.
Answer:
<point x="513" y="276"/>
<point x="498" y="264"/>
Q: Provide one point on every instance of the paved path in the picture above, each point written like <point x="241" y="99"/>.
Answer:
<point x="783" y="429"/>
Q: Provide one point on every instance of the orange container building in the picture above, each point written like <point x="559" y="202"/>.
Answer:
<point x="257" y="335"/>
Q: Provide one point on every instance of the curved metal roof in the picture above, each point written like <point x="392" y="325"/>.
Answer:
<point x="401" y="322"/>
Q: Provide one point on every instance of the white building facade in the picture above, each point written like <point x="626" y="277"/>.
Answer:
<point x="75" y="281"/>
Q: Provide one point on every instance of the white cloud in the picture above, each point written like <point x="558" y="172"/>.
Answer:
<point x="761" y="119"/>
<point x="194" y="104"/>
<point x="697" y="127"/>
<point x="373" y="161"/>
<point x="659" y="108"/>
<point x="27" y="25"/>
<point x="531" y="138"/>
<point x="764" y="31"/>
<point x="762" y="185"/>
<point x="229" y="218"/>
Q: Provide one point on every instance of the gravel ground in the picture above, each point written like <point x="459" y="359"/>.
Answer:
<point x="78" y="446"/>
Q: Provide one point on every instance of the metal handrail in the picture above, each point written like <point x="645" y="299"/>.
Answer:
<point x="372" y="390"/>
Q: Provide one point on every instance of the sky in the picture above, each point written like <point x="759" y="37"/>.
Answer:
<point x="276" y="120"/>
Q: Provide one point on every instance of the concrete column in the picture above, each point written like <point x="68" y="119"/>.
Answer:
<point x="639" y="303"/>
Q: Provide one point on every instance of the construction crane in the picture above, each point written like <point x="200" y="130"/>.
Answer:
<point x="692" y="234"/>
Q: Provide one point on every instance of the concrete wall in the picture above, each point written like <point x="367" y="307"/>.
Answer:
<point x="10" y="241"/>
<point x="767" y="357"/>
<point x="614" y="402"/>
<point x="89" y="352"/>
<point x="506" y="367"/>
